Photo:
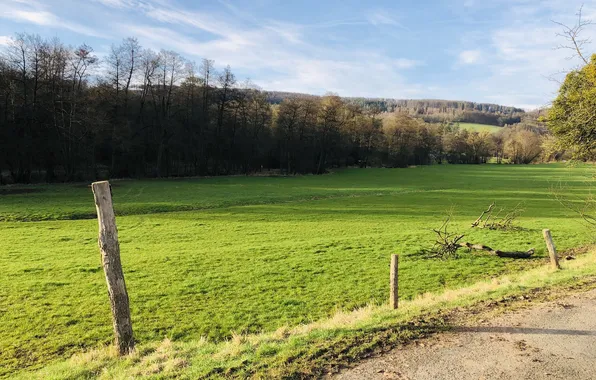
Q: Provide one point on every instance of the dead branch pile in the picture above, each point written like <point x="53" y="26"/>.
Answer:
<point x="447" y="244"/>
<point x="502" y="219"/>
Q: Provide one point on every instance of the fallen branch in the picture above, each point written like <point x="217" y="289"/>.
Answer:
<point x="493" y="221"/>
<point x="477" y="221"/>
<point x="446" y="244"/>
<point x="514" y="254"/>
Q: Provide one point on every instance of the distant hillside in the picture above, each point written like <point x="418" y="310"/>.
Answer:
<point x="276" y="97"/>
<point x="431" y="110"/>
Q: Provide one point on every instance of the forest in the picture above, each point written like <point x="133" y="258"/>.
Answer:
<point x="66" y="115"/>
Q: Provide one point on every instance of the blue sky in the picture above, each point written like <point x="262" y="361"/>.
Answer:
<point x="498" y="51"/>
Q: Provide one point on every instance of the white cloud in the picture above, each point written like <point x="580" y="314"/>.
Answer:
<point x="33" y="13"/>
<point x="4" y="40"/>
<point x="518" y="54"/>
<point x="280" y="55"/>
<point x="291" y="64"/>
<point x="116" y="3"/>
<point x="404" y="63"/>
<point x="205" y="22"/>
<point x="521" y="59"/>
<point x="33" y="17"/>
<point x="350" y="78"/>
<point x="470" y="57"/>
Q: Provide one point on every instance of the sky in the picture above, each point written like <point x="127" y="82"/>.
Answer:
<point x="492" y="51"/>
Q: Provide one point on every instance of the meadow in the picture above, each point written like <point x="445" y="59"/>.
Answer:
<point x="479" y="127"/>
<point x="212" y="258"/>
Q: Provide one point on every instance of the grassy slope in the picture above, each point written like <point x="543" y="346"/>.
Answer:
<point x="266" y="252"/>
<point x="479" y="127"/>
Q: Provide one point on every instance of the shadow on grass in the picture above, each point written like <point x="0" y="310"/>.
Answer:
<point x="340" y="350"/>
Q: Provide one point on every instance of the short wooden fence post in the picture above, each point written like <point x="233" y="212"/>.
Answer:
<point x="552" y="251"/>
<point x="110" y="257"/>
<point x="393" y="275"/>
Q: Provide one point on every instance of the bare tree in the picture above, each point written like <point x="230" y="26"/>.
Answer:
<point x="572" y="34"/>
<point x="131" y="50"/>
<point x="123" y="64"/>
<point x="81" y="61"/>
<point x="286" y="126"/>
<point x="168" y="73"/>
<point x="226" y="82"/>
<point x="149" y="63"/>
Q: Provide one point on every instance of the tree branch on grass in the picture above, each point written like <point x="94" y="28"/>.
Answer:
<point x="495" y="222"/>
<point x="488" y="210"/>
<point x="448" y="243"/>
<point x="512" y="254"/>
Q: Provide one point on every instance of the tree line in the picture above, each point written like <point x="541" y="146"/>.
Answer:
<point x="66" y="115"/>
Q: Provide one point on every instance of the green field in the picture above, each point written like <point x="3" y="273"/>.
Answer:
<point x="217" y="257"/>
<point x="479" y="127"/>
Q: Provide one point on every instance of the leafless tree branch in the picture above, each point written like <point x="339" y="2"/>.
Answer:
<point x="573" y="36"/>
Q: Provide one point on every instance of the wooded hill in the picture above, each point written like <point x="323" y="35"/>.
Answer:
<point x="431" y="110"/>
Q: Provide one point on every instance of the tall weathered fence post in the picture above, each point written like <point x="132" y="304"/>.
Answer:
<point x="552" y="251"/>
<point x="110" y="257"/>
<point x="393" y="292"/>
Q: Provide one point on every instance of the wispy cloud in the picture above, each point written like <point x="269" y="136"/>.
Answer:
<point x="4" y="40"/>
<point x="280" y="50"/>
<point x="32" y="12"/>
<point x="117" y="3"/>
<point x="383" y="17"/>
<point x="203" y="21"/>
<point x="404" y="63"/>
<point x="519" y="57"/>
<point x="470" y="57"/>
<point x="337" y="23"/>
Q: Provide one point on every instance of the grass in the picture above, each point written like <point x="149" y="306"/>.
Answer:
<point x="313" y="349"/>
<point x="249" y="255"/>
<point x="480" y="127"/>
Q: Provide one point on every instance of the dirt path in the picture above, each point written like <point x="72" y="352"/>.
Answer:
<point x="555" y="340"/>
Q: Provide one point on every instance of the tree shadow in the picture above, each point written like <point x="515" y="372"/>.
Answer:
<point x="523" y="330"/>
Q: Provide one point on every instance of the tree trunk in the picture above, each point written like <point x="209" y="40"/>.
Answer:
<point x="514" y="254"/>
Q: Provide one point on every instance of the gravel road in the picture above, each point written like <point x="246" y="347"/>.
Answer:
<point x="554" y="340"/>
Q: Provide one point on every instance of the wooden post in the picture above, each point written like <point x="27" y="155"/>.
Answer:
<point x="393" y="294"/>
<point x="552" y="251"/>
<point x="110" y="257"/>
